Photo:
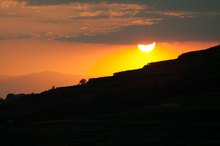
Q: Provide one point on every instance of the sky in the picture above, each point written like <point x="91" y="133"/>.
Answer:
<point x="97" y="38"/>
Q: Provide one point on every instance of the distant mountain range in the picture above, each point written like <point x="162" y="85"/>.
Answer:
<point x="3" y="77"/>
<point x="35" y="82"/>
<point x="174" y="102"/>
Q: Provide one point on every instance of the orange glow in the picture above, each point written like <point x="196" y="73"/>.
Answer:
<point x="129" y="59"/>
<point x="24" y="57"/>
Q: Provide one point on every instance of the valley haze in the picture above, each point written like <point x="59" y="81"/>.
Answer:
<point x="35" y="82"/>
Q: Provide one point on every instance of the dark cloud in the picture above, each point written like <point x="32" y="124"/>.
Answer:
<point x="22" y="36"/>
<point x="15" y="37"/>
<point x="178" y="20"/>
<point x="173" y="29"/>
<point x="11" y="15"/>
<point x="58" y="2"/>
<point x="1" y="38"/>
<point x="172" y="5"/>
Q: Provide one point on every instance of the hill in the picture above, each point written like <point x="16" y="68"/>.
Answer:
<point x="173" y="102"/>
<point x="35" y="82"/>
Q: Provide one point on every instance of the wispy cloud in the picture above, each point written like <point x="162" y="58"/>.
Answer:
<point x="70" y="20"/>
<point x="171" y="5"/>
<point x="77" y="20"/>
<point x="12" y="4"/>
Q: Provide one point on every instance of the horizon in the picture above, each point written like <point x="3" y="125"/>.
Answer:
<point x="32" y="83"/>
<point x="49" y="71"/>
<point x="99" y="38"/>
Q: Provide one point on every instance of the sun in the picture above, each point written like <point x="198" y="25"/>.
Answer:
<point x="147" y="48"/>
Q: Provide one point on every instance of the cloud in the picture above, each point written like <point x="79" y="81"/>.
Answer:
<point x="171" y="5"/>
<point x="172" y="29"/>
<point x="104" y="10"/>
<point x="15" y="37"/>
<point x="115" y="21"/>
<point x="74" y="19"/>
<point x="11" y="4"/>
<point x="1" y="37"/>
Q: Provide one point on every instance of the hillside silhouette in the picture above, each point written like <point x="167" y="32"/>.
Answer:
<point x="35" y="82"/>
<point x="173" y="102"/>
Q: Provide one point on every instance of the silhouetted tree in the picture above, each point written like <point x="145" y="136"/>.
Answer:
<point x="82" y="82"/>
<point x="53" y="87"/>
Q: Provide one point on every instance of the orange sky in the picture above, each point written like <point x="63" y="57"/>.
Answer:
<point x="98" y="38"/>
<point x="93" y="38"/>
<point x="84" y="59"/>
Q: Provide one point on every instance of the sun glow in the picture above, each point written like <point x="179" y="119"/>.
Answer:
<point x="129" y="58"/>
<point x="146" y="48"/>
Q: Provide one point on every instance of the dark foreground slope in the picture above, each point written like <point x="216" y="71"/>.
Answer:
<point x="175" y="102"/>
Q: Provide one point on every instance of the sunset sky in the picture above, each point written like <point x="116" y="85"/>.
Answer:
<point x="98" y="38"/>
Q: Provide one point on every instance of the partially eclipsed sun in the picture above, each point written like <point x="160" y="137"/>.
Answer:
<point x="147" y="48"/>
